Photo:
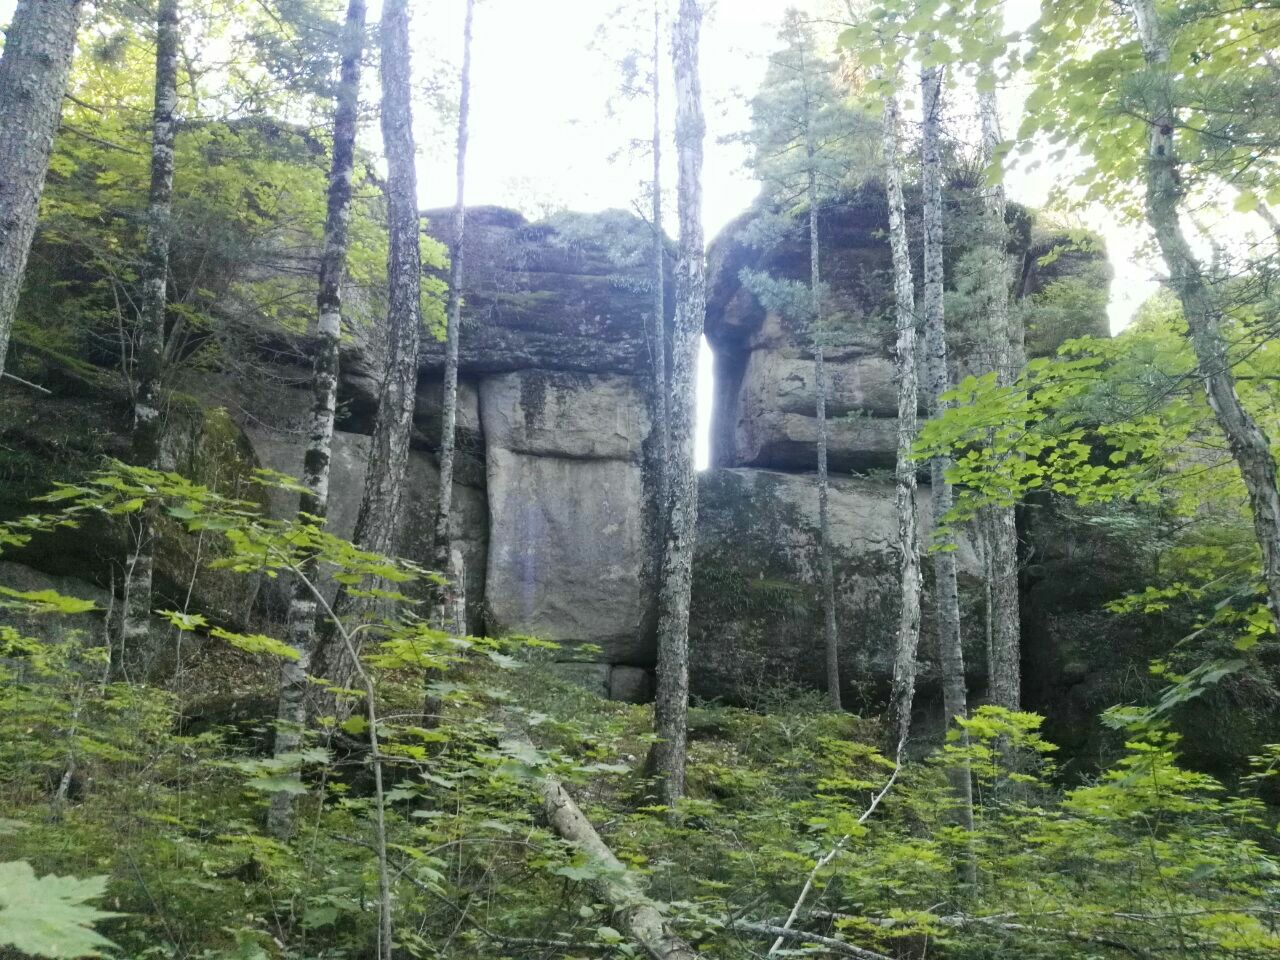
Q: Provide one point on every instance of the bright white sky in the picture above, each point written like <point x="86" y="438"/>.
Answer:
<point x="541" y="140"/>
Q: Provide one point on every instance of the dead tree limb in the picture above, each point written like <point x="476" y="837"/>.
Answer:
<point x="832" y="853"/>
<point x="637" y="915"/>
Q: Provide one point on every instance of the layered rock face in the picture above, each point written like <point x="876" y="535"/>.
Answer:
<point x="552" y="507"/>
<point x="757" y="617"/>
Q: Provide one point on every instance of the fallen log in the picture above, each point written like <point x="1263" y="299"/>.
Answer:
<point x="636" y="914"/>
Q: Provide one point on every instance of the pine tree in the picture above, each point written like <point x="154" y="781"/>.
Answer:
<point x="38" y="49"/>
<point x="800" y="137"/>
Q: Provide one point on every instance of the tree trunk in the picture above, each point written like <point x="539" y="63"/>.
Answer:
<point x="638" y="916"/>
<point x="1248" y="442"/>
<point x="451" y="610"/>
<point x="314" y="503"/>
<point x="672" y="705"/>
<point x="378" y="522"/>
<point x="946" y="594"/>
<point x="148" y="426"/>
<point x="38" y="50"/>
<point x="658" y="321"/>
<point x="826" y="574"/>
<point x="904" y="664"/>
<point x="1006" y="359"/>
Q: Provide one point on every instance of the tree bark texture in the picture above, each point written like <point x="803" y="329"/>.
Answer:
<point x="946" y="593"/>
<point x="908" y="640"/>
<point x="1249" y="444"/>
<point x="378" y="520"/>
<point x="658" y="321"/>
<point x="314" y="502"/>
<point x="451" y="608"/>
<point x="34" y="67"/>
<point x="148" y="424"/>
<point x="1006" y="354"/>
<point x="672" y="704"/>
<point x="939" y="382"/>
<point x="637" y="915"/>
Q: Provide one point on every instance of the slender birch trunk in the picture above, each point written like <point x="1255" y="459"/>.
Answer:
<point x="904" y="664"/>
<point x="314" y="503"/>
<point x="946" y="593"/>
<point x="451" y="612"/>
<point x="148" y="426"/>
<point x="658" y="323"/>
<point x="1249" y="444"/>
<point x="672" y="705"/>
<point x="38" y="50"/>
<point x="378" y="521"/>
<point x="1007" y="359"/>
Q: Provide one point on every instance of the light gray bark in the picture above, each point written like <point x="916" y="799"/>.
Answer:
<point x="148" y="425"/>
<point x="292" y="708"/>
<point x="38" y="50"/>
<point x="672" y="704"/>
<point x="1005" y="349"/>
<point x="938" y="382"/>
<point x="908" y="640"/>
<point x="658" y="321"/>
<point x="451" y="608"/>
<point x="1249" y="444"/>
<point x="637" y="915"/>
<point x="946" y="594"/>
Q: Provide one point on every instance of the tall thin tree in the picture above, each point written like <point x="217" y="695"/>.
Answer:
<point x="658" y="318"/>
<point x="1249" y="443"/>
<point x="148" y="424"/>
<point x="313" y="504"/>
<point x="818" y="334"/>
<point x="378" y="522"/>
<point x="34" y="67"/>
<point x="1004" y="346"/>
<point x="672" y="705"/>
<point x="946" y="593"/>
<point x="904" y="665"/>
<point x="451" y="610"/>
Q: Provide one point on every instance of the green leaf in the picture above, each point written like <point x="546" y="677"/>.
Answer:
<point x="49" y="916"/>
<point x="281" y="784"/>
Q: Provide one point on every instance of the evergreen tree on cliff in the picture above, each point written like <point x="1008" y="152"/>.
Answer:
<point x="148" y="424"/>
<point x="451" y="608"/>
<point x="671" y="709"/>
<point x="38" y="49"/>
<point x="801" y="137"/>
<point x="314" y="503"/>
